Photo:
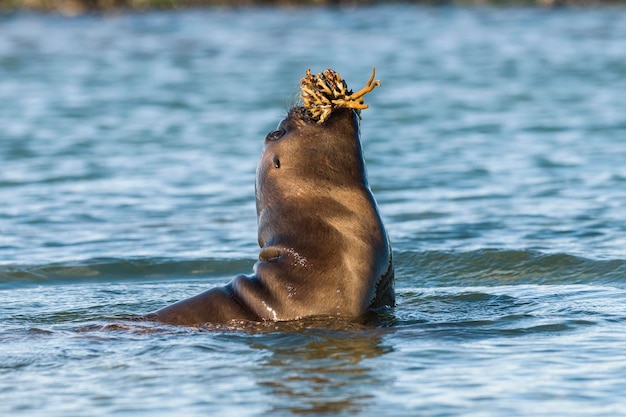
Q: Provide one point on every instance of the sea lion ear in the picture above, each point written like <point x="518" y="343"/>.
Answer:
<point x="275" y="135"/>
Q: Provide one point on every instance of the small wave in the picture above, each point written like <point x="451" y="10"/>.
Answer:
<point x="489" y="267"/>
<point x="485" y="267"/>
<point x="114" y="269"/>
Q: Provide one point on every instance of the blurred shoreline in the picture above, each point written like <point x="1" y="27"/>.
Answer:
<point x="77" y="7"/>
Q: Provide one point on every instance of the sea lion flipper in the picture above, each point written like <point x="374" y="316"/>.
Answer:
<point x="217" y="305"/>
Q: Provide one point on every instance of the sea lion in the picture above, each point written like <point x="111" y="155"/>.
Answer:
<point x="324" y="249"/>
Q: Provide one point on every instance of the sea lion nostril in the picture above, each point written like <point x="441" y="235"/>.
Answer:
<point x="275" y="135"/>
<point x="276" y="162"/>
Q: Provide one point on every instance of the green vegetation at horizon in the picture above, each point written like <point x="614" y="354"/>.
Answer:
<point x="73" y="7"/>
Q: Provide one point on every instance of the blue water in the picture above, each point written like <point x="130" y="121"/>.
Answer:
<point x="496" y="148"/>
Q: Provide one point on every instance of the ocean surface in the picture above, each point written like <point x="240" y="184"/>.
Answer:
<point x="496" y="149"/>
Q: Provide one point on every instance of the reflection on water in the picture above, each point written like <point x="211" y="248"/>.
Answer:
<point x="318" y="371"/>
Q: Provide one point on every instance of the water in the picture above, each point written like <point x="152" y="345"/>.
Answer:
<point x="496" y="148"/>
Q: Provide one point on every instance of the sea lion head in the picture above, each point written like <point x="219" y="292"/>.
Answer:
<point x="302" y="156"/>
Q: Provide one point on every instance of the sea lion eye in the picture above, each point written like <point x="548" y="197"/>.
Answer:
<point x="276" y="162"/>
<point x="275" y="135"/>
